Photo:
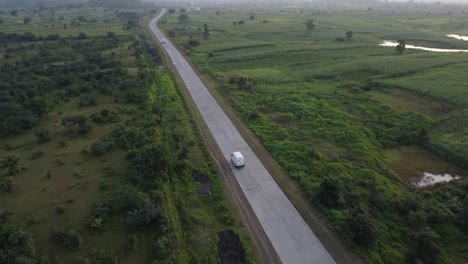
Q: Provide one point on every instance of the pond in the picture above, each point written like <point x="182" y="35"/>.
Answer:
<point x="388" y="43"/>
<point x="430" y="179"/>
<point x="465" y="38"/>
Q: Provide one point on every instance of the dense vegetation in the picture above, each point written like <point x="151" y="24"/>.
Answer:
<point x="354" y="124"/>
<point x="99" y="159"/>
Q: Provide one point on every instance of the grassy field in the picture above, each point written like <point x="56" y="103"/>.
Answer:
<point x="100" y="159"/>
<point x="354" y="124"/>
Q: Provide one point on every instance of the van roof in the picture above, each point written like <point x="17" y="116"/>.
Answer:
<point x="237" y="154"/>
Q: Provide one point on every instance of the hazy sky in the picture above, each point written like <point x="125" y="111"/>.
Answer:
<point x="443" y="1"/>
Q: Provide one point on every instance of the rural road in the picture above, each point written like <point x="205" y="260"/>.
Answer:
<point x="291" y="237"/>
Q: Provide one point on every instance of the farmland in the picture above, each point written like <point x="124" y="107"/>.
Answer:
<point x="352" y="123"/>
<point x="100" y="160"/>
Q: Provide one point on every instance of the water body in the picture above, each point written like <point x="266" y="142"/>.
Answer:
<point x="465" y="38"/>
<point x="430" y="179"/>
<point x="388" y="43"/>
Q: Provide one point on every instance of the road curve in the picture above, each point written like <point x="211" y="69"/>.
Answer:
<point x="289" y="234"/>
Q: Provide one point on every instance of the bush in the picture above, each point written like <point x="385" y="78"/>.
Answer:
<point x="68" y="237"/>
<point x="42" y="135"/>
<point x="426" y="249"/>
<point x="193" y="43"/>
<point x="7" y="184"/>
<point x="9" y="163"/>
<point x="100" y="148"/>
<point x="16" y="246"/>
<point x="362" y="227"/>
<point x="99" y="217"/>
<point x="87" y="100"/>
<point x="331" y="193"/>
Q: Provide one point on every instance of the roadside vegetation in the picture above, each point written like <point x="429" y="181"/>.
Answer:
<point x="354" y="124"/>
<point x="100" y="161"/>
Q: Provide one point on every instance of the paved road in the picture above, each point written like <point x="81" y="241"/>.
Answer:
<point x="289" y="234"/>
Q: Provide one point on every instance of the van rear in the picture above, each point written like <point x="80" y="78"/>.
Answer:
<point x="238" y="159"/>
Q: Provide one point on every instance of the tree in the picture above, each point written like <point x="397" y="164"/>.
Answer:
<point x="183" y="10"/>
<point x="252" y="17"/>
<point x="183" y="17"/>
<point x="426" y="248"/>
<point x="349" y="35"/>
<point x="26" y="20"/>
<point x="68" y="237"/>
<point x="42" y="135"/>
<point x="400" y="48"/>
<point x="149" y="163"/>
<point x="14" y="12"/>
<point x="84" y="128"/>
<point x="241" y="22"/>
<point x="331" y="193"/>
<point x="16" y="245"/>
<point x="242" y="81"/>
<point x="82" y="35"/>
<point x="362" y="227"/>
<point x="206" y="32"/>
<point x="100" y="148"/>
<point x="7" y="184"/>
<point x="464" y="214"/>
<point x="193" y="43"/>
<point x="1" y="21"/>
<point x="171" y="11"/>
<point x="310" y="24"/>
<point x="234" y="23"/>
<point x="10" y="163"/>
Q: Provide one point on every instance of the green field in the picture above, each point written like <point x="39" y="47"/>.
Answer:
<point x="353" y="123"/>
<point x="100" y="161"/>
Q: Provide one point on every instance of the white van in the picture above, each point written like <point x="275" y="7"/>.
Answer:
<point x="237" y="159"/>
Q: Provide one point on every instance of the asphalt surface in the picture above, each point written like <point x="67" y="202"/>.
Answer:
<point x="291" y="237"/>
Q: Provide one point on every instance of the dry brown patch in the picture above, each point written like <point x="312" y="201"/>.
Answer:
<point x="410" y="163"/>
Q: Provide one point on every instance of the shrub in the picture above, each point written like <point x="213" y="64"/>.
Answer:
<point x="68" y="237"/>
<point x="362" y="227"/>
<point x="37" y="154"/>
<point x="87" y="100"/>
<point x="100" y="148"/>
<point x="331" y="193"/>
<point x="7" y="184"/>
<point x="193" y="43"/>
<point x="16" y="246"/>
<point x="62" y="143"/>
<point x="99" y="217"/>
<point x="426" y="249"/>
<point x="10" y="163"/>
<point x="42" y="135"/>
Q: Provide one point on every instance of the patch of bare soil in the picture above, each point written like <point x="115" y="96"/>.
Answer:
<point x="206" y="187"/>
<point x="230" y="250"/>
<point x="410" y="163"/>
